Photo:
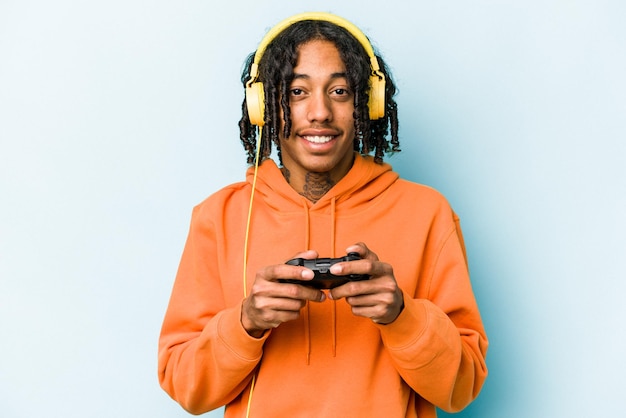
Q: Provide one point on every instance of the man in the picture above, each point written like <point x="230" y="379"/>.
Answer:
<point x="407" y="339"/>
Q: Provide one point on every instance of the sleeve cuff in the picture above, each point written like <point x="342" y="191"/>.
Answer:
<point x="408" y="326"/>
<point x="232" y="333"/>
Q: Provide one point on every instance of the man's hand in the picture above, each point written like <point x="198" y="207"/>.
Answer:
<point x="271" y="303"/>
<point x="378" y="298"/>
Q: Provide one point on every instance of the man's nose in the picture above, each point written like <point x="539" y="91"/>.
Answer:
<point x="320" y="108"/>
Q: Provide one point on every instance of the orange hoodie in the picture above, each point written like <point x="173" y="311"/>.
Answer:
<point x="328" y="363"/>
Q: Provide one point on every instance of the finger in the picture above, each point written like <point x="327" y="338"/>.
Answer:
<point x="300" y="292"/>
<point x="308" y="255"/>
<point x="285" y="271"/>
<point x="273" y="318"/>
<point x="362" y="250"/>
<point x="380" y="314"/>
<point x="283" y="281"/>
<point x="370" y="300"/>
<point x="369" y="267"/>
<point x="362" y="288"/>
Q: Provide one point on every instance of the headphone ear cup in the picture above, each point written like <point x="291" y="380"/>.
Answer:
<point x="376" y="101"/>
<point x="255" y="102"/>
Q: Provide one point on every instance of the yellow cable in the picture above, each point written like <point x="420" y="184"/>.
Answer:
<point x="245" y="250"/>
<point x="245" y="245"/>
<point x="250" y="396"/>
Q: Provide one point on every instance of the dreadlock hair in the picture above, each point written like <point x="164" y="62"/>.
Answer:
<point x="276" y="73"/>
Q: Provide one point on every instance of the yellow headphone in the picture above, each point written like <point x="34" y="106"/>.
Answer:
<point x="255" y="95"/>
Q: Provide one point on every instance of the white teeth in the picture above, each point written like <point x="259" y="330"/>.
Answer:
<point x="318" y="139"/>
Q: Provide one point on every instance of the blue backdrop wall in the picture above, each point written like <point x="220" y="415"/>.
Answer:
<point x="117" y="117"/>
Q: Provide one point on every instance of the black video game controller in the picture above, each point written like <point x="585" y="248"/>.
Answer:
<point x="323" y="278"/>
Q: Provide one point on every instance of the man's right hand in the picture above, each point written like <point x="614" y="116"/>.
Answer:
<point x="270" y="303"/>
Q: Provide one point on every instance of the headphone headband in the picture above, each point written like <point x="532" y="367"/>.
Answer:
<point x="328" y="17"/>
<point x="254" y="89"/>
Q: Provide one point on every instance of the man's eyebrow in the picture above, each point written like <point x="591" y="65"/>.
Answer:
<point x="298" y="76"/>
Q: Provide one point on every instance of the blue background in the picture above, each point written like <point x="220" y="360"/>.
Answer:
<point x="117" y="117"/>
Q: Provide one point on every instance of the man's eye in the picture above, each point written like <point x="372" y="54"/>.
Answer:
<point x="296" y="92"/>
<point x="342" y="94"/>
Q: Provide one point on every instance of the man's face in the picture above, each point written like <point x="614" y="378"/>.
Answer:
<point x="322" y="108"/>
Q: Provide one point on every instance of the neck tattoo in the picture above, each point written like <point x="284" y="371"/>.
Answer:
<point x="316" y="185"/>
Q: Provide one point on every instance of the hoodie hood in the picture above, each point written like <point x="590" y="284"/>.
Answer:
<point x="361" y="184"/>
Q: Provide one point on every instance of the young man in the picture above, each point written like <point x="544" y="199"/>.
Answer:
<point x="407" y="339"/>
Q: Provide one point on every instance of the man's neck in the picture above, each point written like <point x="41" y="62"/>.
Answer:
<point x="313" y="186"/>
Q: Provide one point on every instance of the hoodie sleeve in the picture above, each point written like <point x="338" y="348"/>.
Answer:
<point x="206" y="358"/>
<point x="438" y="343"/>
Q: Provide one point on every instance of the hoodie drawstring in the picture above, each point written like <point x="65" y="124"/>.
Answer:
<point x="307" y="309"/>
<point x="333" y="228"/>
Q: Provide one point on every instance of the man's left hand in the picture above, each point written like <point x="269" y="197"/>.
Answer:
<point x="378" y="298"/>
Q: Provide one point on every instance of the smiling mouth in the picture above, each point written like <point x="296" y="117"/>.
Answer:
<point x="318" y="139"/>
